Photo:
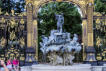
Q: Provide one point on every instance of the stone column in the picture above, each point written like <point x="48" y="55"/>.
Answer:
<point x="90" y="51"/>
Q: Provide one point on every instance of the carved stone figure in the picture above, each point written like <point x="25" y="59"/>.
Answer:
<point x="70" y="58"/>
<point x="55" y="59"/>
<point x="60" y="22"/>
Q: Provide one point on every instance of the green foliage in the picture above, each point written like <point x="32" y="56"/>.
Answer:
<point x="100" y="6"/>
<point x="47" y="21"/>
<point x="19" y="6"/>
<point x="8" y="5"/>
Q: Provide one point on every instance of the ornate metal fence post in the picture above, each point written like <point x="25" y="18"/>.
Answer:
<point x="90" y="50"/>
<point x="30" y="51"/>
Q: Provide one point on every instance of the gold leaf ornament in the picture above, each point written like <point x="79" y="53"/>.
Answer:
<point x="12" y="23"/>
<point x="98" y="21"/>
<point x="82" y="2"/>
<point x="12" y="35"/>
<point x="98" y="43"/>
<point x="35" y="22"/>
<point x="37" y="2"/>
<point x="0" y="11"/>
<point x="22" y="21"/>
<point x="28" y="1"/>
<point x="12" y="12"/>
<point x="2" y="42"/>
<point x="59" y="0"/>
<point x="22" y="42"/>
<point x="2" y="20"/>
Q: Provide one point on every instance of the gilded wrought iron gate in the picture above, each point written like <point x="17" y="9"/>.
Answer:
<point x="13" y="39"/>
<point x="100" y="39"/>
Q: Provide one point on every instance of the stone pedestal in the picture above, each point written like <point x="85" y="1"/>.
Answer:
<point x="75" y="67"/>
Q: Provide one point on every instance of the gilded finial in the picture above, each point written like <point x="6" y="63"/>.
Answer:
<point x="98" y="21"/>
<point x="6" y="13"/>
<point x="22" y="21"/>
<point x="2" y="20"/>
<point x="12" y="11"/>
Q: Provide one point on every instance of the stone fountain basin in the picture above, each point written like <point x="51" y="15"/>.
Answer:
<point x="75" y="67"/>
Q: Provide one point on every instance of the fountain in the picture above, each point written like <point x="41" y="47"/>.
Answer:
<point x="60" y="50"/>
<point x="59" y="47"/>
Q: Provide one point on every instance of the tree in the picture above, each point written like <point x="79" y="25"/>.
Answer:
<point x="19" y="6"/>
<point x="8" y="5"/>
<point x="100" y="6"/>
<point x="47" y="20"/>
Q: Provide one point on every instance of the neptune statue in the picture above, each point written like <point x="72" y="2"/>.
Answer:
<point x="60" y="22"/>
